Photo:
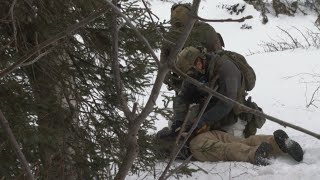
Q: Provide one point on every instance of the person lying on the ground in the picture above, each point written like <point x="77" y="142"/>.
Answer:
<point x="220" y="146"/>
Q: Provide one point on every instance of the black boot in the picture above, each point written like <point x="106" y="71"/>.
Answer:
<point x="262" y="154"/>
<point x="288" y="145"/>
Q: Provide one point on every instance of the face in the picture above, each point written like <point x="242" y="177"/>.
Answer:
<point x="179" y="15"/>
<point x="199" y="63"/>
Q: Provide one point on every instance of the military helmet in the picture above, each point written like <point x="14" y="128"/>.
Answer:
<point x="188" y="56"/>
<point x="179" y="14"/>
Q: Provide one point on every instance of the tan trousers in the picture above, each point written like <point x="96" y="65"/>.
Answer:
<point x="221" y="146"/>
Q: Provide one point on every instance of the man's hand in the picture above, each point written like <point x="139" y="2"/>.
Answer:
<point x="203" y="129"/>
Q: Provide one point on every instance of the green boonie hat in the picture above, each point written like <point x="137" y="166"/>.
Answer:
<point x="187" y="57"/>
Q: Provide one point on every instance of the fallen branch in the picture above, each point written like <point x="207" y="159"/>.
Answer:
<point x="224" y="20"/>
<point x="22" y="158"/>
<point x="52" y="40"/>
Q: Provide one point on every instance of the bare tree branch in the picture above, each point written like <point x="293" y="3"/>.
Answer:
<point x="14" y="24"/>
<point x="225" y="20"/>
<point x="164" y="65"/>
<point x="22" y="158"/>
<point x="178" y="147"/>
<point x="312" y="100"/>
<point x="36" y="59"/>
<point x="139" y="35"/>
<point x="293" y="40"/>
<point x="116" y="67"/>
<point x="132" y="143"/>
<point x="52" y="40"/>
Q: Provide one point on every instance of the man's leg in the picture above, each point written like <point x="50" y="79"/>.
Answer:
<point x="216" y="146"/>
<point x="256" y="140"/>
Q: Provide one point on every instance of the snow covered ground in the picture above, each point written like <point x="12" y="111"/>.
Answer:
<point x="285" y="83"/>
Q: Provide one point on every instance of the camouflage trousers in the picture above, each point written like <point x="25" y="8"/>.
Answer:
<point x="220" y="146"/>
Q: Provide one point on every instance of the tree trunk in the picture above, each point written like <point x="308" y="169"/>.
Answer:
<point x="57" y="113"/>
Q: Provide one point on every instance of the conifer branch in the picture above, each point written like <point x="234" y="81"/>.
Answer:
<point x="132" y="141"/>
<point x="157" y="29"/>
<point x="12" y="139"/>
<point x="133" y="27"/>
<point x="52" y="40"/>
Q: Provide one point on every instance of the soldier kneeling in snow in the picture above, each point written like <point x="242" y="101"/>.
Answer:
<point x="214" y="138"/>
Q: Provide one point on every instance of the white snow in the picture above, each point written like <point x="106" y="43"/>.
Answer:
<point x="285" y="83"/>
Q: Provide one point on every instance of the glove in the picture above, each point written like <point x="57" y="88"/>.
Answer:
<point x="203" y="129"/>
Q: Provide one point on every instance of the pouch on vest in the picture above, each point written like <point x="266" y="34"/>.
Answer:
<point x="254" y="121"/>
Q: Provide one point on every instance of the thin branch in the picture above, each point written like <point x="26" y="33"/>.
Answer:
<point x="150" y="15"/>
<point x="242" y="107"/>
<point x="140" y="36"/>
<point x="52" y="40"/>
<point x="22" y="158"/>
<point x="305" y="38"/>
<point x="177" y="148"/>
<point x="312" y="100"/>
<point x="14" y="24"/>
<point x="132" y="143"/>
<point x="225" y="20"/>
<point x="36" y="59"/>
<point x="293" y="40"/>
<point x="175" y="151"/>
<point x="117" y="79"/>
<point x="184" y="163"/>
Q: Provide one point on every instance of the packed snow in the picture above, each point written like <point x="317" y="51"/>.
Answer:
<point x="286" y="81"/>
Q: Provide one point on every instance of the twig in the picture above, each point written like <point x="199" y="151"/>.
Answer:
<point x="140" y="36"/>
<point x="52" y="40"/>
<point x="225" y="20"/>
<point x="305" y="38"/>
<point x="149" y="12"/>
<point x="36" y="59"/>
<point x="14" y="24"/>
<point x="190" y="132"/>
<point x="22" y="158"/>
<point x="312" y="98"/>
<point x="293" y="40"/>
<point x="176" y="148"/>
<point x="242" y="107"/>
<point x="184" y="163"/>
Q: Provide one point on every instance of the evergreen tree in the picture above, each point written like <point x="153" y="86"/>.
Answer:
<point x="63" y="109"/>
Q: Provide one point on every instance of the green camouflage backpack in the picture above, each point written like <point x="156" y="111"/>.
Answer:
<point x="241" y="62"/>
